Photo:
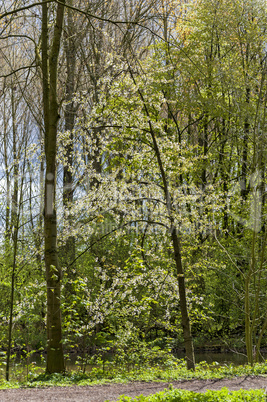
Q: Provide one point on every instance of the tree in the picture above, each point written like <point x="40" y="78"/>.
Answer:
<point x="148" y="136"/>
<point x="55" y="356"/>
<point x="232" y="109"/>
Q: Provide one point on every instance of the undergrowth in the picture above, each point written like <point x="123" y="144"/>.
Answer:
<point x="177" y="371"/>
<point x="224" y="395"/>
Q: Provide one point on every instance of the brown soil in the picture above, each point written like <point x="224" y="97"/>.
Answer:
<point x="101" y="393"/>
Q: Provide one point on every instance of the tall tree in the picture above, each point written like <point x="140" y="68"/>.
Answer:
<point x="55" y="356"/>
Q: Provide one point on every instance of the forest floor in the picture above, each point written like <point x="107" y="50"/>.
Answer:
<point x="111" y="392"/>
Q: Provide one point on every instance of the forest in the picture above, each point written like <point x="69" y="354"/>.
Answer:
<point x="132" y="180"/>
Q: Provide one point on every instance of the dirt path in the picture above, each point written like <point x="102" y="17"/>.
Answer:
<point x="100" y="393"/>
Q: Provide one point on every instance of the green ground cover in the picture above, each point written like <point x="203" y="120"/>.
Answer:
<point x="107" y="374"/>
<point x="224" y="395"/>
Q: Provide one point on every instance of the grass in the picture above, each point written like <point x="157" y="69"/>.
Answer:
<point x="177" y="371"/>
<point x="224" y="395"/>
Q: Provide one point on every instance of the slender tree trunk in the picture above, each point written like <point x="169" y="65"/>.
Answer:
<point x="188" y="339"/>
<point x="11" y="303"/>
<point x="10" y="324"/>
<point x="8" y="185"/>
<point x="69" y="248"/>
<point x="248" y="329"/>
<point x="55" y="356"/>
<point x="13" y="232"/>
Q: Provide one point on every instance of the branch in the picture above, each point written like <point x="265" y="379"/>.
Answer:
<point x="112" y="231"/>
<point x="17" y="70"/>
<point x="18" y="36"/>
<point x="6" y="14"/>
<point x="115" y="22"/>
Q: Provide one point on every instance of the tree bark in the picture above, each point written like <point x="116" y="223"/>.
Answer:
<point x="55" y="356"/>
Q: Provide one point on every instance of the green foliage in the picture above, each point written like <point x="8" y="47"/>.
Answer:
<point x="203" y="97"/>
<point x="120" y="311"/>
<point x="223" y="395"/>
<point x="175" y="371"/>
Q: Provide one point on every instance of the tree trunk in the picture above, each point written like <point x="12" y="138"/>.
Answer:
<point x="68" y="250"/>
<point x="55" y="356"/>
<point x="14" y="228"/>
<point x="188" y="339"/>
